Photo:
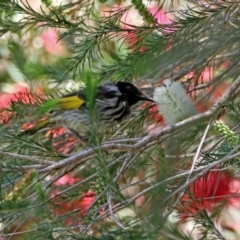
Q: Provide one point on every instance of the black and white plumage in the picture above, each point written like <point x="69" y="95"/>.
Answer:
<point x="112" y="105"/>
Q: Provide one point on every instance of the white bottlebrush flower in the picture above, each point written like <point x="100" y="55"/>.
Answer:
<point x="173" y="102"/>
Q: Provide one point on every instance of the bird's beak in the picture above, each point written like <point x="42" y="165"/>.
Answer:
<point x="145" y="98"/>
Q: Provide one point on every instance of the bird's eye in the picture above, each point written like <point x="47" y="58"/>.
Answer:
<point x="112" y="93"/>
<point x="129" y="88"/>
<point x="132" y="90"/>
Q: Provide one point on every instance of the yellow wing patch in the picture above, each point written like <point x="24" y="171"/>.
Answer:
<point x="70" y="103"/>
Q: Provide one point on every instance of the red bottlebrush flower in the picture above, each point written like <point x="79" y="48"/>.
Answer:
<point x="5" y="117"/>
<point x="208" y="192"/>
<point x="19" y="92"/>
<point x="7" y="98"/>
<point x="78" y="206"/>
<point x="220" y="90"/>
<point x="85" y="202"/>
<point x="73" y="209"/>
<point x="153" y="113"/>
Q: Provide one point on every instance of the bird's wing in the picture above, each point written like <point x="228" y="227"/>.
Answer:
<point x="71" y="101"/>
<point x="78" y="99"/>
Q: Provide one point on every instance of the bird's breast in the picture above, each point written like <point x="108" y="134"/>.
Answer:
<point x="115" y="110"/>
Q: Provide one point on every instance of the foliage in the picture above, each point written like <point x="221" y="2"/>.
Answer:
<point x="142" y="179"/>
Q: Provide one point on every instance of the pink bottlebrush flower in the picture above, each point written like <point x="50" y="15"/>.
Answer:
<point x="51" y="44"/>
<point x="161" y="16"/>
<point x="235" y="190"/>
<point x="215" y="91"/>
<point x="67" y="179"/>
<point x="205" y="76"/>
<point x="132" y="18"/>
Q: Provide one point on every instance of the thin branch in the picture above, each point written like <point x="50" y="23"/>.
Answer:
<point x="109" y="199"/>
<point x="82" y="156"/>
<point x="26" y="157"/>
<point x="200" y="172"/>
<point x="198" y="151"/>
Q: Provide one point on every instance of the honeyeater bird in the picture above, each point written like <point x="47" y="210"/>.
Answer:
<point x="112" y="105"/>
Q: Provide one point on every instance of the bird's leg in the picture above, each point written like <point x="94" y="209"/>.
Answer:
<point x="82" y="140"/>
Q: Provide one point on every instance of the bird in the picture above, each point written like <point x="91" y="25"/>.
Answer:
<point x="112" y="105"/>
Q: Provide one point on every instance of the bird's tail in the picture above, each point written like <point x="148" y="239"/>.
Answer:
<point x="36" y="128"/>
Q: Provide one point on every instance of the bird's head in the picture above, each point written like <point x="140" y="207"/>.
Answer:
<point x="131" y="93"/>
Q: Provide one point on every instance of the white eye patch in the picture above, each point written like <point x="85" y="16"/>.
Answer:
<point x="112" y="89"/>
